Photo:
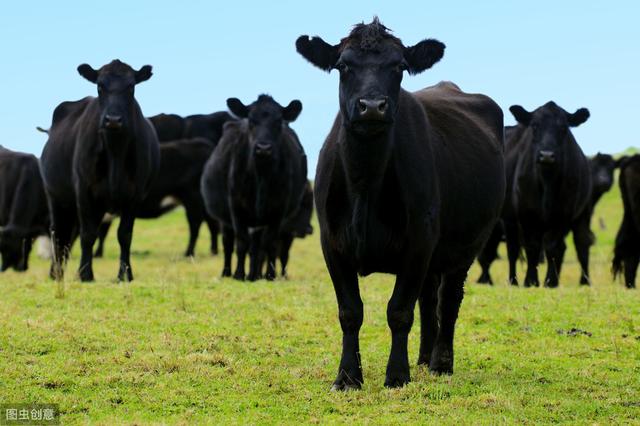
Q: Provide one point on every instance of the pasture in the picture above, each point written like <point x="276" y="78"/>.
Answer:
<point x="180" y="345"/>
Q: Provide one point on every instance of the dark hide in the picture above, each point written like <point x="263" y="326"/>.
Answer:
<point x="23" y="208"/>
<point x="410" y="184"/>
<point x="551" y="191"/>
<point x="171" y="127"/>
<point x="101" y="156"/>
<point x="181" y="165"/>
<point x="627" y="248"/>
<point x="254" y="181"/>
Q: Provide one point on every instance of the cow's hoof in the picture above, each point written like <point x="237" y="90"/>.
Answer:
<point x="397" y="380"/>
<point x="513" y="282"/>
<point x="424" y="359"/>
<point x="125" y="275"/>
<point x="238" y="276"/>
<point x="226" y="272"/>
<point x="585" y="281"/>
<point x="270" y="276"/>
<point x="347" y="382"/>
<point x="441" y="362"/>
<point x="86" y="276"/>
<point x="485" y="279"/>
<point x="253" y="277"/>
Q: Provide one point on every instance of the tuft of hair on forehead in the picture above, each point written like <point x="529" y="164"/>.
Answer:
<point x="117" y="67"/>
<point x="369" y="37"/>
<point x="265" y="98"/>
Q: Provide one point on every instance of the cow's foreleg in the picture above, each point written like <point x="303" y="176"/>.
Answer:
<point x="90" y="217"/>
<point x="125" y="233"/>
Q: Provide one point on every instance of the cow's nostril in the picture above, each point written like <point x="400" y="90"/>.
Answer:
<point x="362" y="105"/>
<point x="382" y="105"/>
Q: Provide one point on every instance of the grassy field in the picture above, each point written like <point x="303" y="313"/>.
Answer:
<point x="181" y="345"/>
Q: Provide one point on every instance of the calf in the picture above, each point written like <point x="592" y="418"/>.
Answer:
<point x="101" y="156"/>
<point x="254" y="181"/>
<point x="181" y="165"/>
<point x="627" y="249"/>
<point x="409" y="184"/>
<point x="23" y="208"/>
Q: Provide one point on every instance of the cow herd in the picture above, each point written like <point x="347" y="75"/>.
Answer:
<point x="414" y="184"/>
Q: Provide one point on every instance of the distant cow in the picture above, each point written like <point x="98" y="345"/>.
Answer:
<point x="409" y="184"/>
<point x="23" y="208"/>
<point x="551" y="191"/>
<point x="181" y="165"/>
<point x="627" y="249"/>
<point x="254" y="181"/>
<point x="602" y="167"/>
<point x="101" y="156"/>
<point x="171" y="127"/>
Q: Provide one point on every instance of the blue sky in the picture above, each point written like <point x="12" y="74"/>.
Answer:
<point x="577" y="53"/>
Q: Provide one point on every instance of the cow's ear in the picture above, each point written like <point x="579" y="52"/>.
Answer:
<point x="318" y="52"/>
<point x="578" y="117"/>
<point x="521" y="115"/>
<point x="237" y="108"/>
<point x="143" y="74"/>
<point x="423" y="55"/>
<point x="291" y="111"/>
<point x="88" y="72"/>
<point x="620" y="161"/>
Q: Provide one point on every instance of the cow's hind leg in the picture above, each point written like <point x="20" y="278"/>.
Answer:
<point x="582" y="240"/>
<point x="286" y="241"/>
<point x="242" y="246"/>
<point x="228" y="239"/>
<point x="409" y="283"/>
<point x="103" y="230"/>
<point x="195" y="216"/>
<point x="428" y="318"/>
<point x="513" y="249"/>
<point x="450" y="296"/>
<point x="214" y="229"/>
<point x="125" y="234"/>
<point x="489" y="254"/>
<point x="533" y="247"/>
<point x="62" y="232"/>
<point x="630" y="269"/>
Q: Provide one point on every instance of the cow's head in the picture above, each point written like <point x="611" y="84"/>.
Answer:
<point x="371" y="62"/>
<point x="549" y="125"/>
<point x="15" y="246"/>
<point x="266" y="120"/>
<point x="602" y="168"/>
<point x="116" y="83"/>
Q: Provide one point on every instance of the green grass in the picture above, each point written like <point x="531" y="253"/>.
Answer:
<point x="181" y="345"/>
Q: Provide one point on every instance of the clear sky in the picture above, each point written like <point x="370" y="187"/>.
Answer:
<point x="577" y="53"/>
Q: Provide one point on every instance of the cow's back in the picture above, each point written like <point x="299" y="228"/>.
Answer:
<point x="467" y="138"/>
<point x="58" y="152"/>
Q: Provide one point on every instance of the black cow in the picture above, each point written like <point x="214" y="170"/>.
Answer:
<point x="101" y="156"/>
<point x="254" y="181"/>
<point x="171" y="127"/>
<point x="627" y="249"/>
<point x="181" y="165"/>
<point x="407" y="183"/>
<point x="23" y="208"/>
<point x="551" y="191"/>
<point x="602" y="167"/>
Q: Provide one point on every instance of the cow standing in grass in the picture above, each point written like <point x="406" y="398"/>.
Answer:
<point x="627" y="249"/>
<point x="254" y="181"/>
<point x="23" y="208"/>
<point x="409" y="184"/>
<point x="101" y="156"/>
<point x="551" y="191"/>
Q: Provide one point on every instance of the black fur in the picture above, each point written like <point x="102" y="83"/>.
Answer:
<point x="627" y="249"/>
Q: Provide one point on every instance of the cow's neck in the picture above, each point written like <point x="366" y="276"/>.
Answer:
<point x="117" y="147"/>
<point x="266" y="182"/>
<point x="365" y="162"/>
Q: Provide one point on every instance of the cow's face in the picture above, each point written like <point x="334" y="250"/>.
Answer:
<point x="602" y="168"/>
<point x="549" y="125"/>
<point x="15" y="249"/>
<point x="371" y="63"/>
<point x="265" y="120"/>
<point x="116" y="86"/>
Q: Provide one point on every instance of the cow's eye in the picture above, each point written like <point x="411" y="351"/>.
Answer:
<point x="400" y="67"/>
<point x="342" y="67"/>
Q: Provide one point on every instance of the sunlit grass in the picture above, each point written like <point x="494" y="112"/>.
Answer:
<point x="182" y="345"/>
